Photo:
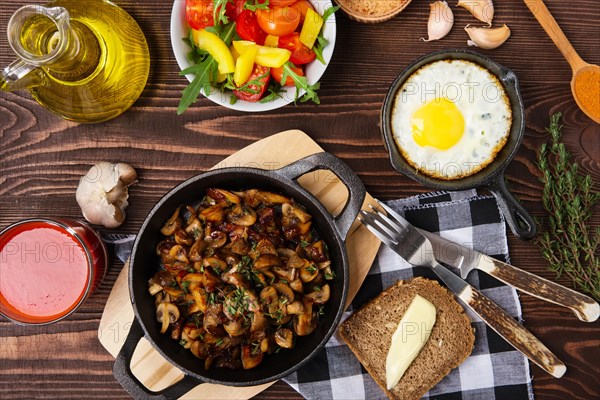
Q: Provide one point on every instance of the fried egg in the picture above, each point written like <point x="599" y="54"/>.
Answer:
<point x="451" y="118"/>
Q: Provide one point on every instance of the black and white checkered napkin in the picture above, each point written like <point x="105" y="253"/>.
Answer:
<point x="494" y="370"/>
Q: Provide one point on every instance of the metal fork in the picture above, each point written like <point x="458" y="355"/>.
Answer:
<point x="417" y="250"/>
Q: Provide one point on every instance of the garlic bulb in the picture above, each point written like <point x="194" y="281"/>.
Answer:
<point x="483" y="10"/>
<point x="487" y="38"/>
<point x="102" y="193"/>
<point x="440" y="21"/>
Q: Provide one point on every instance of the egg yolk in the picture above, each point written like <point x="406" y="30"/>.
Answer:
<point x="439" y="123"/>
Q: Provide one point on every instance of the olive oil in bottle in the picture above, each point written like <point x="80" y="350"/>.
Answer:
<point x="85" y="60"/>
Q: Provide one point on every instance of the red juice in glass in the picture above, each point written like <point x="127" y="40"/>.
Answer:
<point x="48" y="268"/>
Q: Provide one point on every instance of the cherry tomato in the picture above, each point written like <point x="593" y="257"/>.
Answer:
<point x="233" y="10"/>
<point x="247" y="28"/>
<point x="277" y="74"/>
<point x="278" y="21"/>
<point x="253" y="93"/>
<point x="281" y="3"/>
<point x="300" y="53"/>
<point x="302" y="6"/>
<point x="199" y="13"/>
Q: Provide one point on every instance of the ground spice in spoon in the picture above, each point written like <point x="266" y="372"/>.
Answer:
<point x="587" y="90"/>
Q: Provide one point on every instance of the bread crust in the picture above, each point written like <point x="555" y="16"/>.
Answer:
<point x="450" y="343"/>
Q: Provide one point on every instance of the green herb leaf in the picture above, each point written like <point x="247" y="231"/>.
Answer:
<point x="311" y="268"/>
<point x="301" y="84"/>
<point x="568" y="245"/>
<point x="197" y="320"/>
<point x="274" y="90"/>
<point x="212" y="298"/>
<point x="319" y="46"/>
<point x="205" y="74"/>
<point x="254" y="5"/>
<point x="185" y="285"/>
<point x="196" y="233"/>
<point x="219" y="12"/>
<point x="252" y="86"/>
<point x="321" y="42"/>
<point x="329" y="12"/>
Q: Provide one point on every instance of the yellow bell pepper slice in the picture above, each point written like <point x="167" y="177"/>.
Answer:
<point x="266" y="56"/>
<point x="272" y="41"/>
<point x="217" y="48"/>
<point x="244" y="65"/>
<point x="221" y="77"/>
<point x="234" y="53"/>
<point x="311" y="28"/>
<point x="272" y="56"/>
<point x="242" y="45"/>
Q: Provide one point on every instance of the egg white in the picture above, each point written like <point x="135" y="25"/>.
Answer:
<point x="483" y="103"/>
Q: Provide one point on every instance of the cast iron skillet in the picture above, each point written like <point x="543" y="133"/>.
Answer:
<point x="144" y="263"/>
<point x="490" y="177"/>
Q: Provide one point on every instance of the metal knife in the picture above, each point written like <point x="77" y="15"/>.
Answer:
<point x="416" y="249"/>
<point x="467" y="259"/>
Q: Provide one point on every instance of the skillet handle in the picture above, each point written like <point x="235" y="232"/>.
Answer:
<point x="356" y="189"/>
<point x="518" y="219"/>
<point x="132" y="385"/>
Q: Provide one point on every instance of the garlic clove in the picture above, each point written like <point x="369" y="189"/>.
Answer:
<point x="102" y="193"/>
<point x="483" y="10"/>
<point x="440" y="21"/>
<point x="487" y="38"/>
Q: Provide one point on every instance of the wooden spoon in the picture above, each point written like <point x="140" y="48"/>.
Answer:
<point x="582" y="71"/>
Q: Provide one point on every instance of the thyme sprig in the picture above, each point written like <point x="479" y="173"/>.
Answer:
<point x="570" y="248"/>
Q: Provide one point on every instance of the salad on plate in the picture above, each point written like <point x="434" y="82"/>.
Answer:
<point x="254" y="50"/>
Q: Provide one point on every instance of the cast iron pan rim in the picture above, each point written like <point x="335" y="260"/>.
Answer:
<point x="280" y="179"/>
<point x="488" y="174"/>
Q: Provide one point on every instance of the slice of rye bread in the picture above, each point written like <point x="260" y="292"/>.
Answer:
<point x="368" y="333"/>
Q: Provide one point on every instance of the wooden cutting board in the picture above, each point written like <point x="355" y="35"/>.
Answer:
<point x="270" y="153"/>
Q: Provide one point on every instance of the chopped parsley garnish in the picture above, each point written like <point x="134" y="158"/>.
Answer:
<point x="311" y="268"/>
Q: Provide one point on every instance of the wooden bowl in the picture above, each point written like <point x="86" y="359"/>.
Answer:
<point x="382" y="10"/>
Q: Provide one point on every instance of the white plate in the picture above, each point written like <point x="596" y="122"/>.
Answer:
<point x="314" y="70"/>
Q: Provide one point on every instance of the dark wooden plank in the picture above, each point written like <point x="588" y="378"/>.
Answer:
<point x="42" y="158"/>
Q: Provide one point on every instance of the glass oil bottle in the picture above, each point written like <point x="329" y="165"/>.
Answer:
<point x="85" y="60"/>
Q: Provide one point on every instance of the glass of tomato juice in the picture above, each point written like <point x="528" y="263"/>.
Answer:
<point x="48" y="268"/>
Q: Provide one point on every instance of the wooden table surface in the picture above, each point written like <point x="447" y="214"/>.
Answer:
<point x="42" y="158"/>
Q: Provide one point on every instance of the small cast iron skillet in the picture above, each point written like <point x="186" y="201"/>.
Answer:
<point x="144" y="264"/>
<point x="490" y="177"/>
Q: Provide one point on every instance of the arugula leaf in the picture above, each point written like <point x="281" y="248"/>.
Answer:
<point x="219" y="11"/>
<point x="256" y="5"/>
<point x="274" y="92"/>
<point x="247" y="87"/>
<point x="216" y="29"/>
<point x="206" y="73"/>
<point x="321" y="41"/>
<point x="301" y="83"/>
<point x="319" y="46"/>
<point x="203" y="72"/>
<point x="196" y="55"/>
<point x="329" y="12"/>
